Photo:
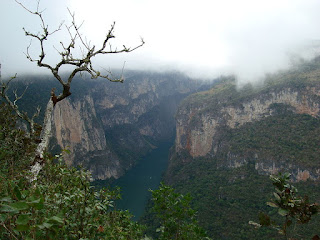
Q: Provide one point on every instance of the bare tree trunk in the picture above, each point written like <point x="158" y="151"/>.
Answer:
<point x="44" y="141"/>
<point x="81" y="64"/>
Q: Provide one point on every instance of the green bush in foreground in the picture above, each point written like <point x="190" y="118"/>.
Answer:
<point x="177" y="218"/>
<point x="62" y="205"/>
<point x="294" y="209"/>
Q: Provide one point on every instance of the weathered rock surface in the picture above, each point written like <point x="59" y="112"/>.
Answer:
<point x="203" y="119"/>
<point x="108" y="126"/>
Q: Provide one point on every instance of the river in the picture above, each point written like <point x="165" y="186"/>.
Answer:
<point x="135" y="184"/>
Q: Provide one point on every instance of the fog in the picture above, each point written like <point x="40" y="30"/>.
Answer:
<point x="202" y="38"/>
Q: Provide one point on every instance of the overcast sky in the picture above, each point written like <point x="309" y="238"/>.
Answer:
<point x="203" y="38"/>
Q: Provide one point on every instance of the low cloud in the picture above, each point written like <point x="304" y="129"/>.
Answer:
<point x="203" y="38"/>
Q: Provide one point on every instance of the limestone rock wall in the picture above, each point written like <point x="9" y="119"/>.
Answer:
<point x="108" y="126"/>
<point x="198" y="127"/>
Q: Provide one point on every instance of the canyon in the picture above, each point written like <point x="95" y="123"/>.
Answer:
<point x="228" y="139"/>
<point x="231" y="138"/>
<point x="107" y="127"/>
<point x="200" y="130"/>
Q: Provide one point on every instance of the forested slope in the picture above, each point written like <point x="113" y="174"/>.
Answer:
<point x="229" y="140"/>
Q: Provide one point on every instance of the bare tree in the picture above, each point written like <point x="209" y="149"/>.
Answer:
<point x="68" y="57"/>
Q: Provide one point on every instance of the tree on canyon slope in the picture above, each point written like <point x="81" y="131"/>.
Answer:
<point x="56" y="202"/>
<point x="295" y="209"/>
<point x="59" y="202"/>
<point x="68" y="57"/>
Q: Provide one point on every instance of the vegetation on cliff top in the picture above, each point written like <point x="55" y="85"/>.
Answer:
<point x="62" y="204"/>
<point x="228" y="198"/>
<point x="226" y="91"/>
<point x="227" y="195"/>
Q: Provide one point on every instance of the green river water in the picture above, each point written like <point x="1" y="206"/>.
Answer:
<point x="135" y="184"/>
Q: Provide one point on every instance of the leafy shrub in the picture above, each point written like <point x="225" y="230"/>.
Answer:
<point x="177" y="218"/>
<point x="62" y="205"/>
<point x="293" y="208"/>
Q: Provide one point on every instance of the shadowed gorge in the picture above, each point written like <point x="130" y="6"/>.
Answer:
<point x="108" y="127"/>
<point x="203" y="124"/>
<point x="227" y="141"/>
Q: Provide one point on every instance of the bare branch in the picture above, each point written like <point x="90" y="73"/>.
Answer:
<point x="11" y="233"/>
<point x="13" y="105"/>
<point x="25" y="7"/>
<point x="76" y="28"/>
<point x="18" y="97"/>
<point x="37" y="113"/>
<point x="80" y="65"/>
<point x="123" y="69"/>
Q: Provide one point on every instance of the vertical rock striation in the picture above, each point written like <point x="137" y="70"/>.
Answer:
<point x="204" y="119"/>
<point x="108" y="126"/>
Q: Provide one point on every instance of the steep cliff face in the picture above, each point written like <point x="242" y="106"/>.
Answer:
<point x="78" y="129"/>
<point x="108" y="126"/>
<point x="72" y="129"/>
<point x="203" y="119"/>
<point x="228" y="141"/>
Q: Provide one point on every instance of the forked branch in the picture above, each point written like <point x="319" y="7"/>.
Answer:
<point x="80" y="64"/>
<point x="4" y="87"/>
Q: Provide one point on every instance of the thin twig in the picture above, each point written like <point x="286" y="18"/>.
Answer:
<point x="9" y="231"/>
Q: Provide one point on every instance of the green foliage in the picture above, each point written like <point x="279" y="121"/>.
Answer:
<point x="227" y="191"/>
<point x="294" y="208"/>
<point x="16" y="149"/>
<point x="283" y="137"/>
<point x="62" y="205"/>
<point x="226" y="199"/>
<point x="177" y="218"/>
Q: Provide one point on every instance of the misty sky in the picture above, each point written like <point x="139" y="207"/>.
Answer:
<point x="203" y="38"/>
